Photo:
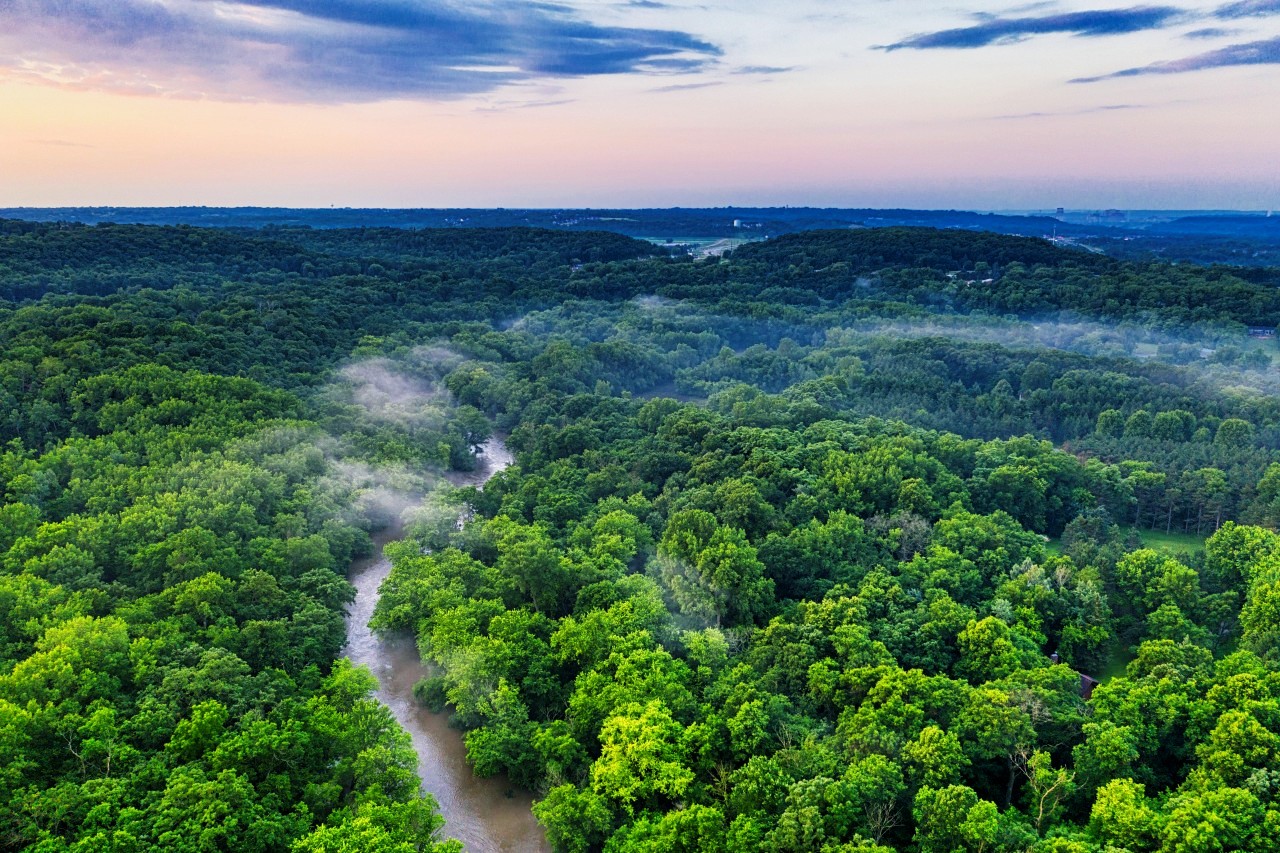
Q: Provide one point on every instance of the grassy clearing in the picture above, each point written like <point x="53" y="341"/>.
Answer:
<point x="1172" y="543"/>
<point x="1118" y="657"/>
<point x="1263" y="345"/>
<point x="1177" y="544"/>
<point x="1180" y="544"/>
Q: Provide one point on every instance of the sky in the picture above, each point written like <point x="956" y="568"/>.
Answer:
<point x="640" y="103"/>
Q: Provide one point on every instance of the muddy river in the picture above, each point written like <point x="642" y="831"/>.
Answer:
<point x="484" y="814"/>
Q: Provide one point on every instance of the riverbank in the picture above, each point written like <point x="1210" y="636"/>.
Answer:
<point x="484" y="814"/>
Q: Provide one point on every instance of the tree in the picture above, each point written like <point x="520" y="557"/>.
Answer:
<point x="954" y="818"/>
<point x="1176" y="425"/>
<point x="991" y="542"/>
<point x="1146" y="486"/>
<point x="1138" y="425"/>
<point x="993" y="726"/>
<point x="872" y="787"/>
<point x="713" y="573"/>
<point x="1122" y="817"/>
<point x="1021" y="492"/>
<point x="412" y="827"/>
<point x="1208" y="490"/>
<point x="529" y="557"/>
<point x="1234" y="553"/>
<point x="1217" y="819"/>
<point x="1267" y="506"/>
<point x="1111" y="423"/>
<point x="641" y="757"/>
<point x="1109" y="751"/>
<point x="1234" y="433"/>
<point x="935" y="758"/>
<point x="1260" y="618"/>
<point x="697" y="829"/>
<point x="987" y="651"/>
<point x="576" y="820"/>
<point x="1047" y="788"/>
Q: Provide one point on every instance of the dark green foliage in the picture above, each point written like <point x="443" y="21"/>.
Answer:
<point x="772" y="571"/>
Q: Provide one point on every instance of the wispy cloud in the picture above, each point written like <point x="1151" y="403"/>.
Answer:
<point x="1001" y="30"/>
<point x="62" y="143"/>
<point x="764" y="69"/>
<point x="1210" y="33"/>
<point x="1104" y="108"/>
<point x="336" y="51"/>
<point x="507" y="106"/>
<point x="1248" y="9"/>
<point x="1266" y="52"/>
<point x="684" y="87"/>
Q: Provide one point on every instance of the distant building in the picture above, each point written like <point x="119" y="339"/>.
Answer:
<point x="1261" y="332"/>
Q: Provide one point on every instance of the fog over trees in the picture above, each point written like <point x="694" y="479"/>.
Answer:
<point x="883" y="539"/>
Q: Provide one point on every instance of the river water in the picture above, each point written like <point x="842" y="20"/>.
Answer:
<point x="484" y="814"/>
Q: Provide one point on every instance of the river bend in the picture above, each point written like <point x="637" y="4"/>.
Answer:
<point x="484" y="814"/>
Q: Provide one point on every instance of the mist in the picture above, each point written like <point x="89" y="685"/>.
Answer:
<point x="395" y="392"/>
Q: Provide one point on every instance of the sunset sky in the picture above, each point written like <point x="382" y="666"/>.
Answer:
<point x="417" y="103"/>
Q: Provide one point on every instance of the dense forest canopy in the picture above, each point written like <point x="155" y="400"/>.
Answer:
<point x="850" y="540"/>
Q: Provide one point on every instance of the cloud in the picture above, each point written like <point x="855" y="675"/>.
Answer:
<point x="1210" y="33"/>
<point x="997" y="30"/>
<point x="1104" y="108"/>
<point x="1248" y="9"/>
<point x="328" y="51"/>
<point x="684" y="87"/>
<point x="63" y="143"/>
<point x="505" y="106"/>
<point x="764" y="69"/>
<point x="1266" y="52"/>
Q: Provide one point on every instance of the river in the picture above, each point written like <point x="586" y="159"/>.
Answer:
<point x="484" y="814"/>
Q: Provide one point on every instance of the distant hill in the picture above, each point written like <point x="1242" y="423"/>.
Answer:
<point x="1240" y="226"/>
<point x="1214" y="237"/>
<point x="874" y="249"/>
<point x="655" y="224"/>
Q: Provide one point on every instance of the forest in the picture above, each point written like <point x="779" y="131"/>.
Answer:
<point x="1242" y="240"/>
<point x="850" y="540"/>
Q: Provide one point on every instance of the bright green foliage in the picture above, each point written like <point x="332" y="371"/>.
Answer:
<point x="1048" y="789"/>
<point x="411" y="827"/>
<point x="713" y="573"/>
<point x="987" y="651"/>
<point x="575" y="820"/>
<point x="697" y="829"/>
<point x="935" y="758"/>
<point x="1216" y="820"/>
<point x="641" y="757"/>
<point x="1260" y="618"/>
<point x="808" y="606"/>
<point x="1122" y="816"/>
<point x="954" y="818"/>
